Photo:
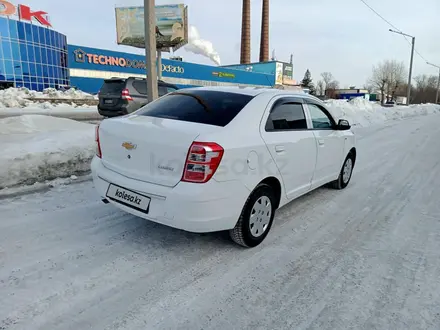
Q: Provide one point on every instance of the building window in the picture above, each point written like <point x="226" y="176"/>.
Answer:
<point x="23" y="52"/>
<point x="37" y="51"/>
<point x="15" y="47"/>
<point x="20" y="29"/>
<point x="4" y="28"/>
<point x="30" y="53"/>
<point x="7" y="52"/>
<point x="35" y="34"/>
<point x="28" y="33"/>
<point x="9" y="70"/>
<point x="13" y="29"/>
<point x="47" y="37"/>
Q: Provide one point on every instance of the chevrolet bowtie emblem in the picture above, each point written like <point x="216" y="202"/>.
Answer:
<point x="129" y="145"/>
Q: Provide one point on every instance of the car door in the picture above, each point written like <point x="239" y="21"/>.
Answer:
<point x="291" y="144"/>
<point x="330" y="143"/>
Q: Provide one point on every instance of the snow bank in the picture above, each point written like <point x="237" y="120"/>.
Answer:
<point x="360" y="112"/>
<point x="18" y="97"/>
<point x="37" y="148"/>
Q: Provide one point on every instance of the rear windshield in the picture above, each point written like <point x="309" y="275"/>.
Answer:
<point x="113" y="86"/>
<point x="198" y="106"/>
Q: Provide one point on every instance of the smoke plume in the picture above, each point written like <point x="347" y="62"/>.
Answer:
<point x="200" y="46"/>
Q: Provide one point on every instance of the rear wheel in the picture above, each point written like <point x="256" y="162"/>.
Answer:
<point x="256" y="217"/>
<point x="345" y="174"/>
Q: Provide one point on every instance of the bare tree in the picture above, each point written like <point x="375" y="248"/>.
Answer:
<point x="320" y="88"/>
<point x="432" y="82"/>
<point x="396" y="77"/>
<point x="368" y="87"/>
<point x="331" y="88"/>
<point x="334" y="84"/>
<point x="387" y="77"/>
<point x="329" y="83"/>
<point x="327" y="77"/>
<point x="425" y="89"/>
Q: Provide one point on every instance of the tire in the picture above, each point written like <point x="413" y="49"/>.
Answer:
<point x="250" y="233"/>
<point x="344" y="179"/>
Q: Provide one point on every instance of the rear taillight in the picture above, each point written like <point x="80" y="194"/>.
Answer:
<point x="202" y="162"/>
<point x="126" y="95"/>
<point x="98" y="145"/>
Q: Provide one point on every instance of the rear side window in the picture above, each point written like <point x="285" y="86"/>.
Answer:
<point x="165" y="90"/>
<point x="162" y="90"/>
<point x="320" y="119"/>
<point x="198" y="106"/>
<point x="287" y="116"/>
<point x="113" y="86"/>
<point x="140" y="86"/>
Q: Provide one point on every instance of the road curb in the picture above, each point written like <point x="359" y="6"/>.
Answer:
<point x="40" y="188"/>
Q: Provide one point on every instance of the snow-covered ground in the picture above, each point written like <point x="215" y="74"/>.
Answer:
<point x="39" y="148"/>
<point x="363" y="258"/>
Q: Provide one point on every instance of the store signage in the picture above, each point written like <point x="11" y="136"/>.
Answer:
<point x="24" y="13"/>
<point x="83" y="57"/>
<point x="223" y="74"/>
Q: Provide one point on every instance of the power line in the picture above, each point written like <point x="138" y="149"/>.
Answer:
<point x="383" y="18"/>
<point x="393" y="26"/>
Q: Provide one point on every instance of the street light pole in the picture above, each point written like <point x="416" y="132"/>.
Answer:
<point x="413" y="43"/>
<point x="150" y="49"/>
<point x="438" y="81"/>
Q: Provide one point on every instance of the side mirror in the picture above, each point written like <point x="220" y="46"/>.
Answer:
<point x="343" y="125"/>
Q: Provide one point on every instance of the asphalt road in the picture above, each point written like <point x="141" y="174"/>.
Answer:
<point x="367" y="257"/>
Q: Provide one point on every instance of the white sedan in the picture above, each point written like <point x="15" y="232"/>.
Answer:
<point x="213" y="158"/>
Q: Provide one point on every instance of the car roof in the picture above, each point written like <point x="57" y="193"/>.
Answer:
<point x="254" y="91"/>
<point x="114" y="79"/>
<point x="160" y="82"/>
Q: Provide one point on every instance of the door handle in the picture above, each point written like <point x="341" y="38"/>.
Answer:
<point x="321" y="142"/>
<point x="279" y="148"/>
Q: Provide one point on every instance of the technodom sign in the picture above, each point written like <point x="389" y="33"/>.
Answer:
<point x="24" y="13"/>
<point x="82" y="56"/>
<point x="171" y="26"/>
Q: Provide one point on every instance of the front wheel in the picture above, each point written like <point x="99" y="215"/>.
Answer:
<point x="256" y="217"/>
<point x="345" y="174"/>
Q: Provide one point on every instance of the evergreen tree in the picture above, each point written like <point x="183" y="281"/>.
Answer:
<point x="307" y="82"/>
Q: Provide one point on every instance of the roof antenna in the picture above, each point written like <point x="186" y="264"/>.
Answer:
<point x="273" y="55"/>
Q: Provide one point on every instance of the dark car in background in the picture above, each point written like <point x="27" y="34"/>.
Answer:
<point x="121" y="96"/>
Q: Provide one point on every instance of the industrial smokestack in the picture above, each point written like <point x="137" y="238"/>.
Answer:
<point x="245" y="54"/>
<point x="264" y="41"/>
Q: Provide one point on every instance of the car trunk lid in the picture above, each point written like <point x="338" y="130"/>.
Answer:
<point x="110" y="94"/>
<point x="148" y="149"/>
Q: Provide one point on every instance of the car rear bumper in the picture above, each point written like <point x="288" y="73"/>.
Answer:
<point x="192" y="207"/>
<point x="111" y="113"/>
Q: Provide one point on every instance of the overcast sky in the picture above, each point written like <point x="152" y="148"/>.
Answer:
<point x="340" y="36"/>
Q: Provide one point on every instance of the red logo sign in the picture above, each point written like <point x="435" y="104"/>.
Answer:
<point x="24" y="13"/>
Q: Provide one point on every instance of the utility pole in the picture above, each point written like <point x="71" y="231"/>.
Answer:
<point x="150" y="49"/>
<point x="159" y="64"/>
<point x="413" y="43"/>
<point x="438" y="81"/>
<point x="408" y="93"/>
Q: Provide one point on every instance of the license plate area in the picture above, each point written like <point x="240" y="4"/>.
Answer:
<point x="128" y="198"/>
<point x="108" y="101"/>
